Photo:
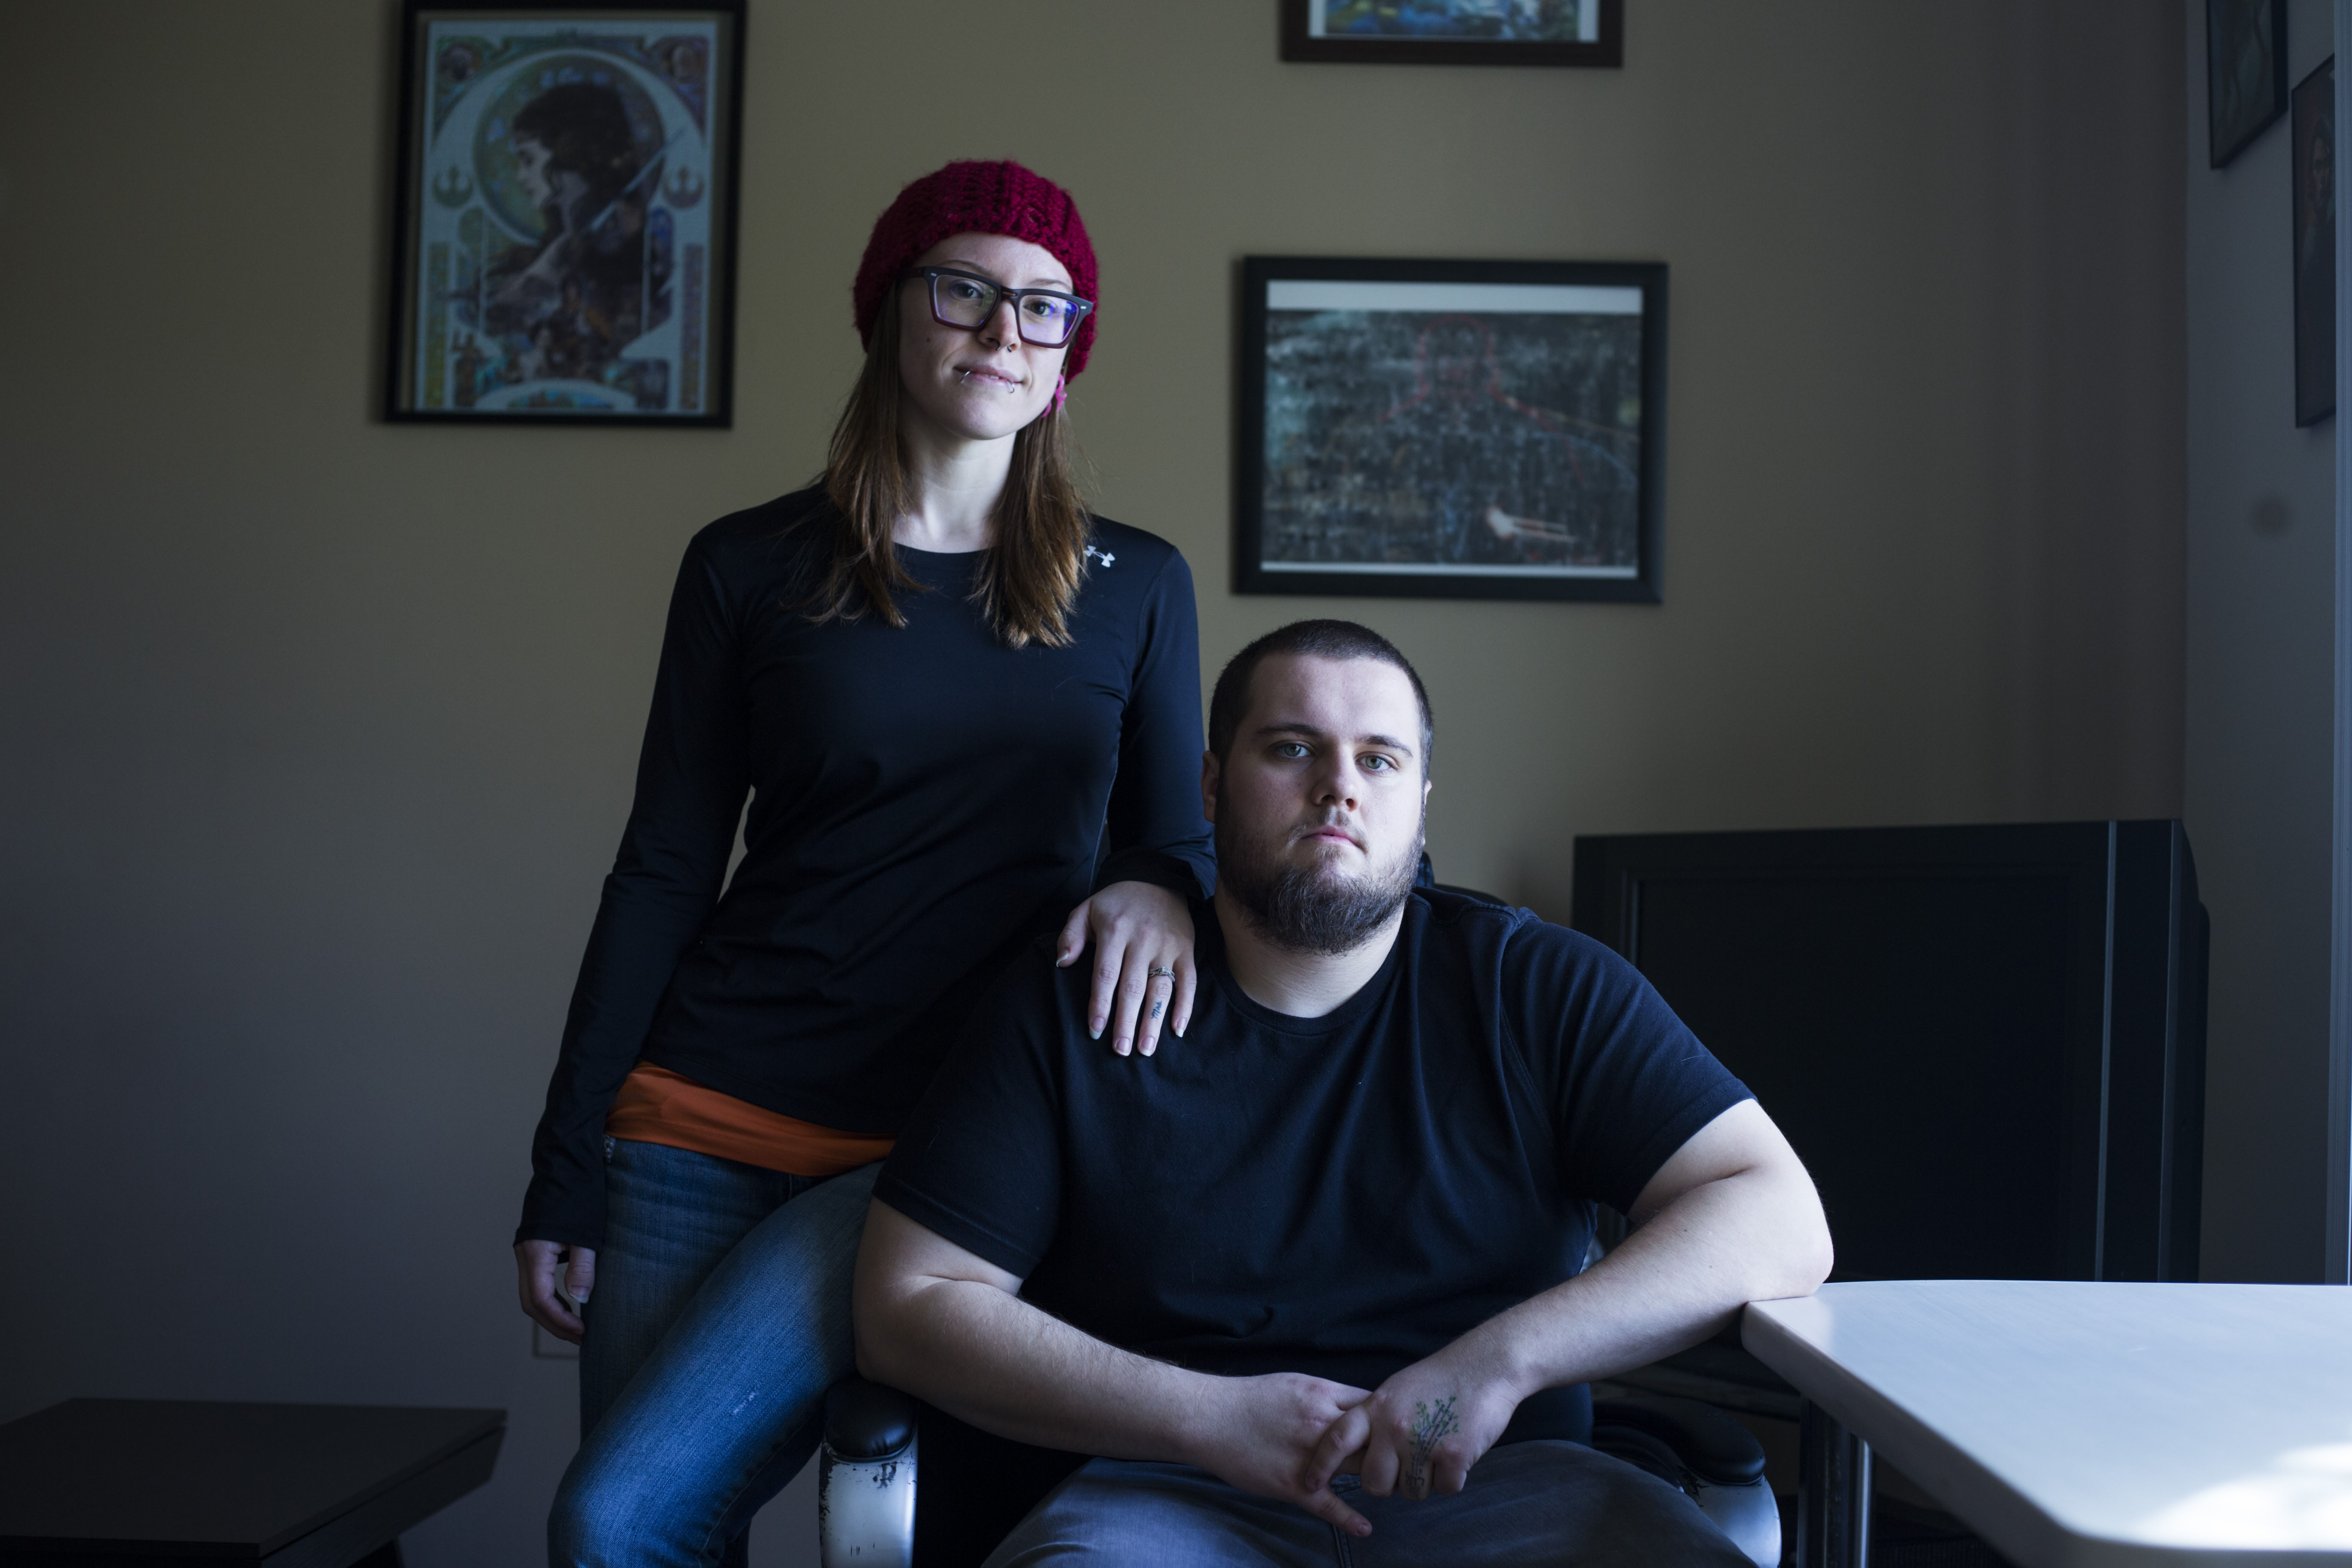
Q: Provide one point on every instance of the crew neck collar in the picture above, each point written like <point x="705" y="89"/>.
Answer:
<point x="940" y="568"/>
<point x="941" y="554"/>
<point x="1209" y="943"/>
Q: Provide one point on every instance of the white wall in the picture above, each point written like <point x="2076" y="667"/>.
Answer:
<point x="2261" y="694"/>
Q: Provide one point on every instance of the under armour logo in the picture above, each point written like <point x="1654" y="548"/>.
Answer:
<point x="1105" y="556"/>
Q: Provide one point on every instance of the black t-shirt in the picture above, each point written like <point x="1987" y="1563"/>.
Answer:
<point x="1339" y="1195"/>
<point x="924" y="802"/>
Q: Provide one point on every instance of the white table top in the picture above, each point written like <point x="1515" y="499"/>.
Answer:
<point x="2082" y="1426"/>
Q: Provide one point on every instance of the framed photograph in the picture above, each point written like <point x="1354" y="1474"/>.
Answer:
<point x="1455" y="32"/>
<point x="564" y="221"/>
<point x="2246" y="72"/>
<point x="2314" y="121"/>
<point x="1451" y="429"/>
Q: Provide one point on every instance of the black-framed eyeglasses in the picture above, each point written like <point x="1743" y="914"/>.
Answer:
<point x="966" y="299"/>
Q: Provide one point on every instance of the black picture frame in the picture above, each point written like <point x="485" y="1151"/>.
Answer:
<point x="1601" y="44"/>
<point x="2245" y="73"/>
<point x="1451" y="429"/>
<point x="566" y="279"/>
<point x="2313" y="118"/>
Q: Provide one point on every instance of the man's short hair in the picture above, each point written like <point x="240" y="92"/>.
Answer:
<point x="1316" y="639"/>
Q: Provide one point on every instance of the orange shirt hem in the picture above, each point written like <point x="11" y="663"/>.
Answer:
<point x="657" y="1105"/>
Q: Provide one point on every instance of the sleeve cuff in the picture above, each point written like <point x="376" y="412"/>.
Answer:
<point x="1155" y="867"/>
<point x="1669" y="1138"/>
<point x="566" y="1224"/>
<point x="982" y="1241"/>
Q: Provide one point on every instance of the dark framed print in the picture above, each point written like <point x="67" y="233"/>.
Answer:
<point x="2245" y="73"/>
<point x="1451" y="429"/>
<point x="2312" y="118"/>
<point x="1455" y="32"/>
<point x="564" y="218"/>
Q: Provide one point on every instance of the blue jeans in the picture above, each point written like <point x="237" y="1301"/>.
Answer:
<point x="720" y="1316"/>
<point x="1538" y="1504"/>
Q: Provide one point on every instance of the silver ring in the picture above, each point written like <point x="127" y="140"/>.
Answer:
<point x="1156" y="971"/>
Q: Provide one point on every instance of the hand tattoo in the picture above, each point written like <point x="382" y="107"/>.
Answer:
<point x="1430" y="1426"/>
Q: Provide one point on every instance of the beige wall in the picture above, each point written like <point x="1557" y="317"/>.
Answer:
<point x="315" y="733"/>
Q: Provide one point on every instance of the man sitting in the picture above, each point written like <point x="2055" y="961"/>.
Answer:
<point x="1305" y="1269"/>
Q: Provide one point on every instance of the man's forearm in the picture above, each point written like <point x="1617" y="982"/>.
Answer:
<point x="945" y="1323"/>
<point x="1676" y="1280"/>
<point x="1000" y="1364"/>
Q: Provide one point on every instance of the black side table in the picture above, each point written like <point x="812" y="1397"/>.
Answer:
<point x="155" y="1481"/>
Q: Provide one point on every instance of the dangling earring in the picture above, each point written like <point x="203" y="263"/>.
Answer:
<point x="1060" y="390"/>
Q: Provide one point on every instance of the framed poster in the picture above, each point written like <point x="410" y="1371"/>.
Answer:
<point x="564" y="219"/>
<point x="1451" y="429"/>
<point x="1455" y="32"/>
<point x="2245" y="73"/>
<point x="2312" y="118"/>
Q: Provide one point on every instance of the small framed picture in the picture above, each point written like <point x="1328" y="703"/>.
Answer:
<point x="564" y="219"/>
<point x="2246" y="72"/>
<point x="1455" y="32"/>
<point x="1451" y="429"/>
<point x="2313" y="118"/>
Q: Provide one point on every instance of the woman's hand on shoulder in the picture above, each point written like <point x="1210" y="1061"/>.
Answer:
<point x="1143" y="975"/>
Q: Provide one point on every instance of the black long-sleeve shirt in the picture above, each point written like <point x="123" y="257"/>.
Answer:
<point x="924" y="800"/>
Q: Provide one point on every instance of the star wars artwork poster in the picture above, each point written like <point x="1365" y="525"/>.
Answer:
<point x="566" y="249"/>
<point x="1455" y="438"/>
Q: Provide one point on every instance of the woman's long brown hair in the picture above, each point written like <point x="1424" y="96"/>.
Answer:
<point x="1032" y="571"/>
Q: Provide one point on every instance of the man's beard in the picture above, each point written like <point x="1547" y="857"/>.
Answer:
<point x="1310" y="908"/>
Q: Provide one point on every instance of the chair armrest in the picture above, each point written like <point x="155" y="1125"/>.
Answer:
<point x="1713" y="1447"/>
<point x="865" y="1421"/>
<point x="866" y="1478"/>
<point x="1697" y="1448"/>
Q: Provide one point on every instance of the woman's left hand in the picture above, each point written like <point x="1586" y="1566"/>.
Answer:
<point x="1143" y="938"/>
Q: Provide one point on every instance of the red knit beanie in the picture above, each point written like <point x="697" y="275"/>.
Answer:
<point x="977" y="198"/>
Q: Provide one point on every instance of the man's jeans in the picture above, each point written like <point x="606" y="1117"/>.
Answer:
<point x="720" y="1316"/>
<point x="1528" y="1505"/>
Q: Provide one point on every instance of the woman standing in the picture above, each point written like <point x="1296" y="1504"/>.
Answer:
<point x="964" y="710"/>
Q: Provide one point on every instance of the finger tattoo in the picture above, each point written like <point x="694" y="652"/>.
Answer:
<point x="1156" y="1006"/>
<point x="1430" y="1426"/>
